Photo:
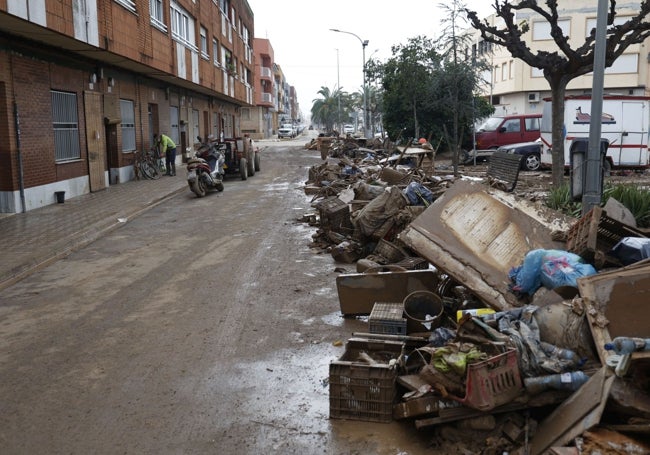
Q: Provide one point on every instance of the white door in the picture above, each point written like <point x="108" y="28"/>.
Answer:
<point x="634" y="134"/>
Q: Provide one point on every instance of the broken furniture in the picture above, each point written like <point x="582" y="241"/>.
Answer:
<point x="503" y="170"/>
<point x="618" y="306"/>
<point x="324" y="145"/>
<point x="358" y="292"/>
<point x="476" y="235"/>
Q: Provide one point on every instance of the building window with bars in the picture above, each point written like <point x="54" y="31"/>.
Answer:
<point x="128" y="125"/>
<point x="65" y="122"/>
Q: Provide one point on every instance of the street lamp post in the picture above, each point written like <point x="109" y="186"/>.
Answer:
<point x="338" y="92"/>
<point x="364" y="43"/>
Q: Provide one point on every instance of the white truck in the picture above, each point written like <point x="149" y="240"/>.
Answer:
<point x="287" y="130"/>
<point x="624" y="126"/>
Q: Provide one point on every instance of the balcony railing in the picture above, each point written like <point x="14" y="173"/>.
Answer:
<point x="266" y="73"/>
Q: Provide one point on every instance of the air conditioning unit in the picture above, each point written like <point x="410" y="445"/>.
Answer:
<point x="533" y="97"/>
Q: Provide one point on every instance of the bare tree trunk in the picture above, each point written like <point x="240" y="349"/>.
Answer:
<point x="416" y="125"/>
<point x="558" y="90"/>
<point x="454" y="149"/>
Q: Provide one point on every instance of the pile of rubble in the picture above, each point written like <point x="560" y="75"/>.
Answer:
<point x="495" y="322"/>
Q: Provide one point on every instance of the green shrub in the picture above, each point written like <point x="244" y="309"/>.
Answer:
<point x="634" y="198"/>
<point x="560" y="199"/>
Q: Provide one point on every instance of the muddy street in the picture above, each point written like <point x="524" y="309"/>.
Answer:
<point x="201" y="326"/>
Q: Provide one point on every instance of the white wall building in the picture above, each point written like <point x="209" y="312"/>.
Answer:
<point x="515" y="88"/>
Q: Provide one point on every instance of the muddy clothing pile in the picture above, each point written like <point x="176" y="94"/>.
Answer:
<point x="488" y="315"/>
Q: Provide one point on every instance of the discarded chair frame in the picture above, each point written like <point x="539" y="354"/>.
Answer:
<point x="503" y="170"/>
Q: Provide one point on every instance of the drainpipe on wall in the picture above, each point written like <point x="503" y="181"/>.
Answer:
<point x="21" y="181"/>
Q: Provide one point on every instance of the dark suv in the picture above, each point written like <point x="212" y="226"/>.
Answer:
<point x="531" y="152"/>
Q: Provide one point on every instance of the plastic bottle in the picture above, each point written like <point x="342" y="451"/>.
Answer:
<point x="560" y="381"/>
<point x="627" y="345"/>
<point x="566" y="354"/>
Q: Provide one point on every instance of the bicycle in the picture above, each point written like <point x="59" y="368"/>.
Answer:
<point x="159" y="161"/>
<point x="145" y="165"/>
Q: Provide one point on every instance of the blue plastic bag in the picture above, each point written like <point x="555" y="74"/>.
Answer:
<point x="550" y="268"/>
<point x="418" y="194"/>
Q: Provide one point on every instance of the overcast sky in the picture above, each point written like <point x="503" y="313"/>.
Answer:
<point x="312" y="56"/>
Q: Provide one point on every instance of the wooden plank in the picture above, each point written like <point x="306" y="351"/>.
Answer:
<point x="566" y="416"/>
<point x="95" y="140"/>
<point x="462" y="412"/>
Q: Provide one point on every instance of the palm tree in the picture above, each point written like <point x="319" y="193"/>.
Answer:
<point x="325" y="110"/>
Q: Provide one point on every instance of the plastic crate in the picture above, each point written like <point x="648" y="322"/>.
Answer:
<point x="363" y="391"/>
<point x="492" y="382"/>
<point x="387" y="318"/>
<point x="595" y="234"/>
<point x="334" y="215"/>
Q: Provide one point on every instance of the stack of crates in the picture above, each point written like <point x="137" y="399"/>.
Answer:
<point x="387" y="318"/>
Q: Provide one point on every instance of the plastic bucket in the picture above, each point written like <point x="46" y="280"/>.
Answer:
<point x="423" y="311"/>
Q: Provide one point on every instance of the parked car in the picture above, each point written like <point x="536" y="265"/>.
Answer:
<point x="286" y="130"/>
<point x="502" y="130"/>
<point x="530" y="151"/>
<point x="507" y="129"/>
<point x="348" y="129"/>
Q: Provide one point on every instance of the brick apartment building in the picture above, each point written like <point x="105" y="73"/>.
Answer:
<point x="86" y="83"/>
<point x="276" y="101"/>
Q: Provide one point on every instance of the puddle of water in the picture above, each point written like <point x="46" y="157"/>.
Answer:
<point x="322" y="291"/>
<point x="276" y="187"/>
<point x="334" y="319"/>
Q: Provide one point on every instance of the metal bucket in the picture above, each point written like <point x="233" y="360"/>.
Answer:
<point x="423" y="310"/>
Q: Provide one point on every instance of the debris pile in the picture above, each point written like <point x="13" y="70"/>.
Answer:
<point x="497" y="324"/>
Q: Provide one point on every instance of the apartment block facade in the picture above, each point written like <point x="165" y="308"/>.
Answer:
<point x="275" y="100"/>
<point x="515" y="88"/>
<point x="84" y="84"/>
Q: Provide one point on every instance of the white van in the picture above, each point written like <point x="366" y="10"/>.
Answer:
<point x="625" y="121"/>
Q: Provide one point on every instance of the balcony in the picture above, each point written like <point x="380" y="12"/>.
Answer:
<point x="266" y="99"/>
<point x="266" y="73"/>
